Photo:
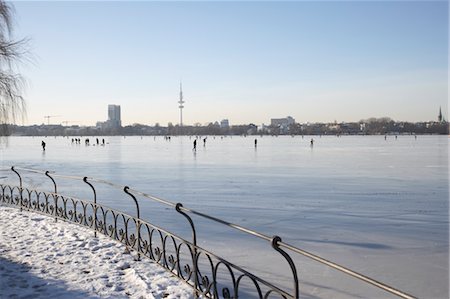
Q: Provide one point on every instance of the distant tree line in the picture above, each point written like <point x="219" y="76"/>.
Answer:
<point x="372" y="126"/>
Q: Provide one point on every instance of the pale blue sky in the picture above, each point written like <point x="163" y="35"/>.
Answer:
<point x="245" y="61"/>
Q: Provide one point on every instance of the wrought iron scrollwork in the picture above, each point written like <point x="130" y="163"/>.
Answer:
<point x="209" y="275"/>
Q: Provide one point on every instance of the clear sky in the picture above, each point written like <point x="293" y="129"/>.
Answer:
<point x="244" y="61"/>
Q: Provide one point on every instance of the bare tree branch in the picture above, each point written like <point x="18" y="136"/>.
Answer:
<point x="12" y="84"/>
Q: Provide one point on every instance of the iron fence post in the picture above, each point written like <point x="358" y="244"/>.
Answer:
<point x="138" y="228"/>
<point x="95" y="204"/>
<point x="20" y="186"/>
<point x="178" y="207"/>
<point x="55" y="195"/>
<point x="276" y="246"/>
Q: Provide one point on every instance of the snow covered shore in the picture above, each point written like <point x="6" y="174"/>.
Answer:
<point x="43" y="259"/>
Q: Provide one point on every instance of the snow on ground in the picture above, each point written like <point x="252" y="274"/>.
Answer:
<point x="43" y="259"/>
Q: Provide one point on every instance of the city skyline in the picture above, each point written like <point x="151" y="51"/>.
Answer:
<point x="247" y="62"/>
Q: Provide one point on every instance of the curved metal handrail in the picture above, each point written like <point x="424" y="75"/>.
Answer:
<point x="181" y="208"/>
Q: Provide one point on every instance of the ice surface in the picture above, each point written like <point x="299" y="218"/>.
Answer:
<point x="376" y="206"/>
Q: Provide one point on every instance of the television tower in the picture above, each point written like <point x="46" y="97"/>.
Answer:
<point x="181" y="102"/>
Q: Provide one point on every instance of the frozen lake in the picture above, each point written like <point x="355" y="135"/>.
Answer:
<point x="376" y="206"/>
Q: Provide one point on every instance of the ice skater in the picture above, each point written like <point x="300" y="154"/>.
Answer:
<point x="195" y="145"/>
<point x="312" y="142"/>
<point x="43" y="145"/>
<point x="256" y="142"/>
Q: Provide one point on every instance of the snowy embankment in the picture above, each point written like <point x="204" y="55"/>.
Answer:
<point x="43" y="259"/>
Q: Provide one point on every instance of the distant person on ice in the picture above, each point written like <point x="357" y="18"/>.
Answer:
<point x="256" y="142"/>
<point x="312" y="142"/>
<point x="204" y="141"/>
<point x="195" y="145"/>
<point x="43" y="145"/>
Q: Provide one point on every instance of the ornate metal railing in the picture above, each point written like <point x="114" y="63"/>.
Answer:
<point x="209" y="275"/>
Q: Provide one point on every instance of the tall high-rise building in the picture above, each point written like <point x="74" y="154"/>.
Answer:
<point x="114" y="116"/>
<point x="224" y="123"/>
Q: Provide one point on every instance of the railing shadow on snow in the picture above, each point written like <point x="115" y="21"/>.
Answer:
<point x="209" y="275"/>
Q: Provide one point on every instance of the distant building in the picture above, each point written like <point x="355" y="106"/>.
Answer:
<point x="282" y="122"/>
<point x="101" y="125"/>
<point x="262" y="128"/>
<point x="114" y="116"/>
<point x="224" y="123"/>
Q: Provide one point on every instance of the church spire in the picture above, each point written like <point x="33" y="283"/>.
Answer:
<point x="440" y="115"/>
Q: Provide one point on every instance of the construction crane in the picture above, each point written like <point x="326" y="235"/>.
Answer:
<point x="50" y="116"/>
